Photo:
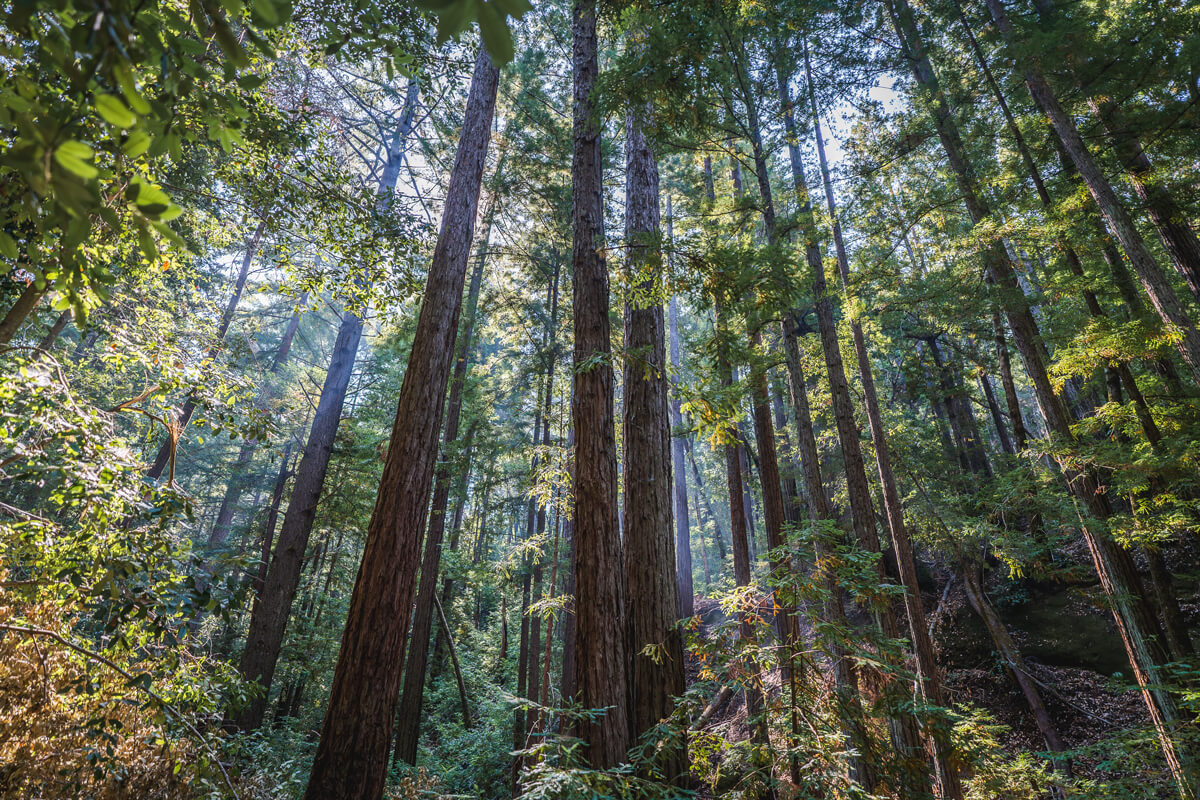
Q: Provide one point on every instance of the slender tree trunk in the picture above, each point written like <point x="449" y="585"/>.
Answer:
<point x="237" y="482"/>
<point x="1162" y="296"/>
<point x="1006" y="380"/>
<point x="60" y="324"/>
<point x="26" y="302"/>
<point x="683" y="534"/>
<point x="286" y="470"/>
<point x="1136" y="623"/>
<point x="929" y="679"/>
<point x="166" y="453"/>
<point x="905" y="737"/>
<point x="601" y="662"/>
<point x="352" y="756"/>
<point x="1011" y="655"/>
<point x="655" y="646"/>
<point x="1006" y="443"/>
<point x="849" y="704"/>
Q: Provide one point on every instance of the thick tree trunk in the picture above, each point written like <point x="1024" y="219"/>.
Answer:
<point x="655" y="646"/>
<point x="409" y="725"/>
<point x="601" y="663"/>
<point x="352" y="756"/>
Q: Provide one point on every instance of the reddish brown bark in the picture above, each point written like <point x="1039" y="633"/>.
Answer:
<point x="352" y="756"/>
<point x="655" y="644"/>
<point x="601" y="663"/>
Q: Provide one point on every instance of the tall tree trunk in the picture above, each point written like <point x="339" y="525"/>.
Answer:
<point x="1006" y="380"/>
<point x="655" y="646"/>
<point x="268" y="619"/>
<point x="352" y="756"/>
<point x="259" y="580"/>
<point x="409" y="725"/>
<point x="1169" y="220"/>
<point x="1006" y="443"/>
<point x="1136" y="623"/>
<point x="928" y="677"/>
<point x="1162" y="296"/>
<point x="601" y="663"/>
<point x="683" y="534"/>
<point x="273" y="604"/>
<point x="903" y="729"/>
<point x="820" y="509"/>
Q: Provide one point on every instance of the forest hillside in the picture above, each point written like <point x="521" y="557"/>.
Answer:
<point x="481" y="399"/>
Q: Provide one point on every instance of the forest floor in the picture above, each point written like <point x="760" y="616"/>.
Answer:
<point x="1067" y="636"/>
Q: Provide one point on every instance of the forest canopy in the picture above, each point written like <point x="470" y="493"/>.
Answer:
<point x="495" y="399"/>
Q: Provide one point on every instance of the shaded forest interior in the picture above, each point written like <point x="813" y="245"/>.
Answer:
<point x="704" y="399"/>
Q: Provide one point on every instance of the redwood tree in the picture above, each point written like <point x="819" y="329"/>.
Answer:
<point x="352" y="756"/>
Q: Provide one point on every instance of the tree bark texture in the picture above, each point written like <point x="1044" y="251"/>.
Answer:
<point x="600" y="658"/>
<point x="652" y="595"/>
<point x="274" y="603"/>
<point x="352" y="756"/>
<point x="409" y="725"/>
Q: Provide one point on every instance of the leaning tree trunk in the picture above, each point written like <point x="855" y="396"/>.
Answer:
<point x="1011" y="655"/>
<point x="352" y="756"/>
<point x="600" y="660"/>
<point x="409" y="722"/>
<point x="655" y="645"/>
<point x="26" y="302"/>
<point x="1136" y="622"/>
<point x="928" y="677"/>
<point x="273" y="604"/>
<point x="1157" y="287"/>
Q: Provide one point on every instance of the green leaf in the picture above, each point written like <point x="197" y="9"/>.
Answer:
<point x="146" y="241"/>
<point x="497" y="38"/>
<point x="251" y="82"/>
<point x="76" y="158"/>
<point x="129" y="89"/>
<point x="136" y="143"/>
<point x="114" y="112"/>
<point x="454" y="18"/>
<point x="8" y="245"/>
<point x="513" y="8"/>
<point x="265" y="13"/>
